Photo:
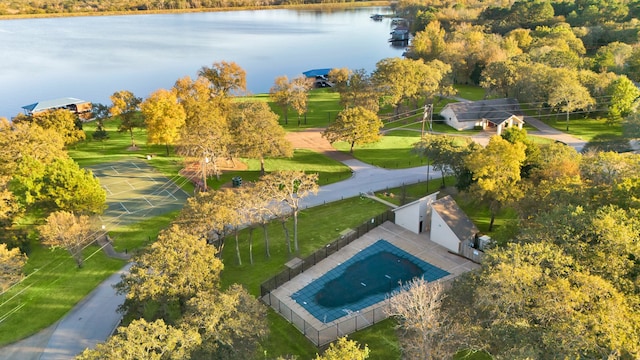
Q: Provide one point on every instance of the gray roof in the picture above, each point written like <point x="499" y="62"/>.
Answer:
<point x="494" y="110"/>
<point x="455" y="218"/>
<point x="52" y="104"/>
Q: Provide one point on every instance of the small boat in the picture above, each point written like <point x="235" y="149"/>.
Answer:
<point x="377" y="17"/>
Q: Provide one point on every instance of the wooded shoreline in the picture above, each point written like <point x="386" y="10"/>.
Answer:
<point x="319" y="7"/>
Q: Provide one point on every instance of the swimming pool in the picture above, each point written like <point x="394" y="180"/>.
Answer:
<point x="363" y="280"/>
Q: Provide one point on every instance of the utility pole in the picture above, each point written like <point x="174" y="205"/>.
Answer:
<point x="430" y="118"/>
<point x="427" y="112"/>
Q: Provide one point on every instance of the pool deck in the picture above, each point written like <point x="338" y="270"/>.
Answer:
<point x="418" y="245"/>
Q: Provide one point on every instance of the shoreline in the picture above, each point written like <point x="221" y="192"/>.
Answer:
<point x="321" y="7"/>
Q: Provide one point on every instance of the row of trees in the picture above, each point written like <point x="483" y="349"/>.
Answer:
<point x="100" y="6"/>
<point x="276" y="196"/>
<point x="202" y="121"/>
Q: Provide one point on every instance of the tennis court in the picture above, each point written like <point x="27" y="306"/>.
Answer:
<point x="136" y="191"/>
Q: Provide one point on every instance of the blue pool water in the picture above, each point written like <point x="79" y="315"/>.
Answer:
<point x="363" y="280"/>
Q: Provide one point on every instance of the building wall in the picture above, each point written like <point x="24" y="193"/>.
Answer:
<point x="451" y="120"/>
<point x="442" y="234"/>
<point x="408" y="217"/>
<point x="414" y="215"/>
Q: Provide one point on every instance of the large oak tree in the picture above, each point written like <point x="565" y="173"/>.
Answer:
<point x="164" y="117"/>
<point x="356" y="126"/>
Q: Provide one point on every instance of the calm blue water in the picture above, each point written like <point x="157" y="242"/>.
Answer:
<point x="363" y="280"/>
<point x="92" y="57"/>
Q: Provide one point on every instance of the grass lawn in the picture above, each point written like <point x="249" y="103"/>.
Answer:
<point x="408" y="193"/>
<point x="313" y="234"/>
<point x="393" y="151"/>
<point x="53" y="285"/>
<point x="470" y="92"/>
<point x="585" y="128"/>
<point x="324" y="105"/>
<point x="328" y="170"/>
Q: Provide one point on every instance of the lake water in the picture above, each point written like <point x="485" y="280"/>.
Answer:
<point x="92" y="57"/>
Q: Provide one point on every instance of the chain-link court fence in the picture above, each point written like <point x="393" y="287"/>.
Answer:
<point x="329" y="332"/>
<point x="353" y="321"/>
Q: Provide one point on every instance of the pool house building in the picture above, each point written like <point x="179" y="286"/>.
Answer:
<point x="370" y="261"/>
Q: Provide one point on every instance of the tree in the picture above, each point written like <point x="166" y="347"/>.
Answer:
<point x="101" y="133"/>
<point x="290" y="187"/>
<point x="126" y="107"/>
<point x="9" y="206"/>
<point x="225" y="77"/>
<point x="633" y="64"/>
<point x="300" y="87"/>
<point x="175" y="268"/>
<point x="206" y="135"/>
<point x="424" y="329"/>
<point x="356" y="126"/>
<point x="257" y="134"/>
<point x="534" y="299"/>
<point x="532" y="150"/>
<point x="11" y="263"/>
<point x="499" y="77"/>
<point x="344" y="348"/>
<point x="623" y="99"/>
<point x="355" y="88"/>
<point x="401" y="80"/>
<point x="61" y="121"/>
<point x="230" y="207"/>
<point x="68" y="231"/>
<point x="438" y="150"/>
<point x="292" y="93"/>
<point x="612" y="57"/>
<point x="100" y="111"/>
<point x="429" y="44"/>
<point x="269" y="210"/>
<point x="567" y="94"/>
<point x="164" y="117"/>
<point x="23" y="140"/>
<point x="496" y="171"/>
<point x="230" y="323"/>
<point x="61" y="184"/>
<point x="145" y="340"/>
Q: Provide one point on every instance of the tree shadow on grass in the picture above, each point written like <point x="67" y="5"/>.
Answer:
<point x="608" y="142"/>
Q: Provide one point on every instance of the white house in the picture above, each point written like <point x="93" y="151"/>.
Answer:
<point x="450" y="226"/>
<point x="414" y="215"/>
<point x="495" y="113"/>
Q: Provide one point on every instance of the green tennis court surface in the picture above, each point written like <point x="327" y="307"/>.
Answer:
<point x="136" y="191"/>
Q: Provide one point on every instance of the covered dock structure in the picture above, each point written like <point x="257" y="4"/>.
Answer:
<point x="76" y="106"/>
<point x="321" y="77"/>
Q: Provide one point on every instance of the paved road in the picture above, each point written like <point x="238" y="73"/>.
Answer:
<point x="89" y="322"/>
<point x="367" y="178"/>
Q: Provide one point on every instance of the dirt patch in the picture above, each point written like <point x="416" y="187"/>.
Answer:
<point x="312" y="139"/>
